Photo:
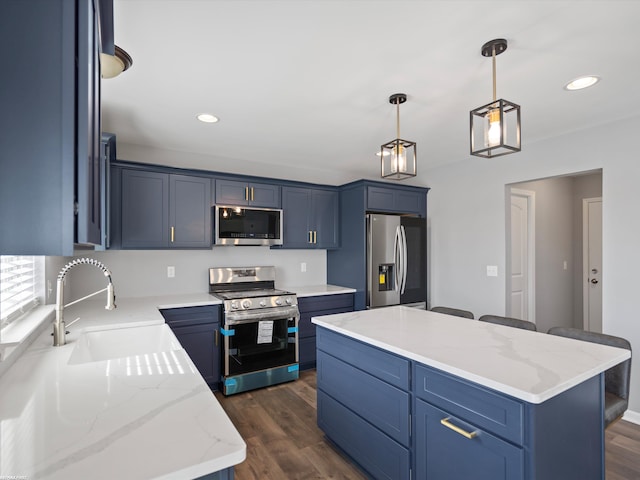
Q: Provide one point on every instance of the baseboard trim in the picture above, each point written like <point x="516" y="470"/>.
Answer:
<point x="631" y="416"/>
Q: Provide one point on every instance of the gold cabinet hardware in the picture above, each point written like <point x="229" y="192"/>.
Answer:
<point x="173" y="234"/>
<point x="252" y="194"/>
<point x="464" y="433"/>
<point x="246" y="193"/>
<point x="310" y="240"/>
<point x="315" y="236"/>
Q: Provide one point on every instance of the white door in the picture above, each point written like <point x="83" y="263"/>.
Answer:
<point x="521" y="245"/>
<point x="592" y="263"/>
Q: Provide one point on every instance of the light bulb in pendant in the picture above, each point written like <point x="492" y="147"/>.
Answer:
<point x="399" y="161"/>
<point x="493" y="133"/>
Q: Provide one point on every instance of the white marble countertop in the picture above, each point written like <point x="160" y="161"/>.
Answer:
<point x="531" y="366"/>
<point x="141" y="416"/>
<point x="317" y="290"/>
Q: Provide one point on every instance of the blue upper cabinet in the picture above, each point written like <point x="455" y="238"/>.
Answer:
<point x="50" y="197"/>
<point x="160" y="210"/>
<point x="189" y="212"/>
<point x="396" y="200"/>
<point x="310" y="217"/>
<point x="233" y="192"/>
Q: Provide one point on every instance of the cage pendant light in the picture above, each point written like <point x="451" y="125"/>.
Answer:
<point x="398" y="157"/>
<point x="495" y="127"/>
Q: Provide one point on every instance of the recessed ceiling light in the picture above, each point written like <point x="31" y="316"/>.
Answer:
<point x="582" y="82"/>
<point x="207" y="118"/>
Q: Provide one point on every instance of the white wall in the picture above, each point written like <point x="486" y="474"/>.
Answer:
<point x="137" y="273"/>
<point x="467" y="223"/>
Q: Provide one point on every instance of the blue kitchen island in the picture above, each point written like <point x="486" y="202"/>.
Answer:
<point x="413" y="394"/>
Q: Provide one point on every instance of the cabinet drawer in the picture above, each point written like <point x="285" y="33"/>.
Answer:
<point x="368" y="446"/>
<point x="472" y="403"/>
<point x="384" y="365"/>
<point x="177" y="317"/>
<point x="444" y="454"/>
<point x="325" y="302"/>
<point x="381" y="404"/>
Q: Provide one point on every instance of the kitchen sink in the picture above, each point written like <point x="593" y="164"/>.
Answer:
<point x="101" y="345"/>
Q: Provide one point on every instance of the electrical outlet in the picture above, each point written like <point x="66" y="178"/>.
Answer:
<point x="492" y="270"/>
<point x="303" y="266"/>
<point x="564" y="264"/>
<point x="171" y="272"/>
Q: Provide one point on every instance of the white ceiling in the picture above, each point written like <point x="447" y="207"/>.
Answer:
<point x="301" y="86"/>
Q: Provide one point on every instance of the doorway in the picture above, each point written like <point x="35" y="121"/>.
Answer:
<point x="545" y="278"/>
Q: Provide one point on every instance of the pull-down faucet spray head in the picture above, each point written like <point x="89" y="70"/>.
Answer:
<point x="58" y="326"/>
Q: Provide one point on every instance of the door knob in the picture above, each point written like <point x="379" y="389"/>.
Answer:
<point x="594" y="281"/>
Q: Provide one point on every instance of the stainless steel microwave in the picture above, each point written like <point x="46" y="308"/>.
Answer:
<point x="247" y="226"/>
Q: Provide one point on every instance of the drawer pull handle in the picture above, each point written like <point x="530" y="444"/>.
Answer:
<point x="464" y="433"/>
<point x="173" y="234"/>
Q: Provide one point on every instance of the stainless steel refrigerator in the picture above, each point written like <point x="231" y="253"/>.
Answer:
<point x="396" y="261"/>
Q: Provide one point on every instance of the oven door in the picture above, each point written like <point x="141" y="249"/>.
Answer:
<point x="258" y="340"/>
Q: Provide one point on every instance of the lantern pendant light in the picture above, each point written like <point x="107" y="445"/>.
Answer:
<point x="495" y="127"/>
<point x="398" y="157"/>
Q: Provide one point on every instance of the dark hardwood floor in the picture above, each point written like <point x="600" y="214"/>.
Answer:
<point x="283" y="441"/>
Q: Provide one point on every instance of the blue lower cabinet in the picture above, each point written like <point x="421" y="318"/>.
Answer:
<point x="226" y="474"/>
<point x="383" y="409"/>
<point x="384" y="406"/>
<point x="443" y="453"/>
<point x="314" y="307"/>
<point x="198" y="331"/>
<point x="375" y="452"/>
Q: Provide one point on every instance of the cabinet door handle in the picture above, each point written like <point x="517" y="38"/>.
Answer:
<point x="310" y="240"/>
<point x="464" y="433"/>
<point x="315" y="236"/>
<point x="173" y="234"/>
<point x="215" y="341"/>
<point x="246" y="193"/>
<point x="252" y="194"/>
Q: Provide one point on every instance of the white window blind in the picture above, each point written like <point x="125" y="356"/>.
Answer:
<point x="18" y="287"/>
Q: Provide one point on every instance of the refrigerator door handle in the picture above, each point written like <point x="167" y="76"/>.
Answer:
<point x="397" y="258"/>
<point x="403" y="237"/>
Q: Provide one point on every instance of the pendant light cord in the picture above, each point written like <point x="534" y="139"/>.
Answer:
<point x="398" y="118"/>
<point x="493" y="55"/>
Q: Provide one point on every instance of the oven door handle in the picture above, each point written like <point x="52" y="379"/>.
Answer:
<point x="252" y="316"/>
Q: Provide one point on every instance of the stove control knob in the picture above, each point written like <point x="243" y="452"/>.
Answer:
<point x="246" y="303"/>
<point x="263" y="303"/>
<point x="289" y="301"/>
<point x="278" y="301"/>
<point x="234" y="305"/>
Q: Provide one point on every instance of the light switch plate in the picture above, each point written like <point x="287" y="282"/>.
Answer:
<point x="171" y="272"/>
<point x="492" y="270"/>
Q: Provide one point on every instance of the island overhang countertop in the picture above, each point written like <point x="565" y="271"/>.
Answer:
<point x="530" y="366"/>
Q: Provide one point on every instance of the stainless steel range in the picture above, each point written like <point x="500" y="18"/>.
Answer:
<point x="260" y="328"/>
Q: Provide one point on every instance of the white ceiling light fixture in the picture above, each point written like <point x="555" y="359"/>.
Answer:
<point x="398" y="157"/>
<point x="207" y="118"/>
<point x="495" y="127"/>
<point x="579" y="83"/>
<point x="113" y="65"/>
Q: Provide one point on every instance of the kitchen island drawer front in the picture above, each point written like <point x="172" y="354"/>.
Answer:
<point x="381" y="456"/>
<point x="444" y="454"/>
<point x="386" y="366"/>
<point x="489" y="410"/>
<point x="381" y="404"/>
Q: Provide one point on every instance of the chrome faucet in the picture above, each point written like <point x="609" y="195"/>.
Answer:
<point x="58" y="326"/>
